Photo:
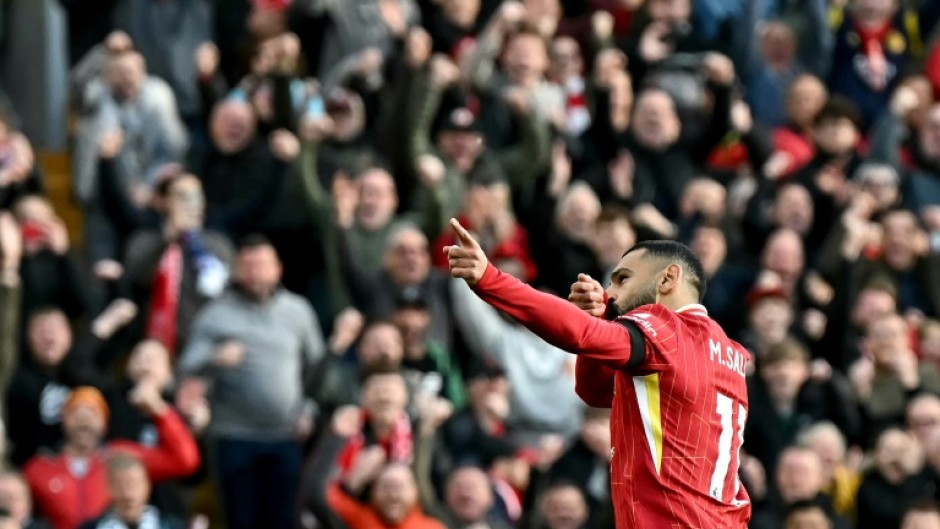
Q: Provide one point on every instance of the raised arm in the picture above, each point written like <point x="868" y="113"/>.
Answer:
<point x="555" y="320"/>
<point x="479" y="66"/>
<point x="177" y="454"/>
<point x="480" y="324"/>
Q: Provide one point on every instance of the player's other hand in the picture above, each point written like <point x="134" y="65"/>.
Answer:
<point x="466" y="259"/>
<point x="588" y="295"/>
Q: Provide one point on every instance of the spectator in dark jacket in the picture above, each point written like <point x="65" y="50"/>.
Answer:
<point x="54" y="366"/>
<point x="172" y="272"/>
<point x="477" y="434"/>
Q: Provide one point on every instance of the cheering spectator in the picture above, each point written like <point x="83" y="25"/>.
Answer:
<point x="380" y="347"/>
<point x="259" y="344"/>
<point x="393" y="498"/>
<point x="49" y="269"/>
<point x="487" y="212"/>
<point x="142" y="108"/>
<point x="385" y="424"/>
<point x="572" y="232"/>
<point x="897" y="139"/>
<point x="478" y="434"/>
<point x="353" y="28"/>
<point x="469" y="498"/>
<point x="167" y="35"/>
<point x="149" y="365"/>
<point x="890" y="374"/>
<point x="407" y="272"/>
<point x="793" y="141"/>
<point x="525" y="63"/>
<point x="873" y="45"/>
<point x="71" y="486"/>
<point x="905" y="260"/>
<point x="429" y="367"/>
<point x="727" y="280"/>
<point x="174" y="271"/>
<point x="55" y="365"/>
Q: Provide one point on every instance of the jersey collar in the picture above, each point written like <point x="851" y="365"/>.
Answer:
<point x="694" y="309"/>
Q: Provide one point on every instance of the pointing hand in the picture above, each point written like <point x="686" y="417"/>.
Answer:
<point x="467" y="259"/>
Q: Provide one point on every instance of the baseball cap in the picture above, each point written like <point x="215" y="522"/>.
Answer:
<point x="411" y="298"/>
<point x="461" y="119"/>
<point x="485" y="368"/>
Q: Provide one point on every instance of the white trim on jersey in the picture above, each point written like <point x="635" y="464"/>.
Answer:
<point x="695" y="309"/>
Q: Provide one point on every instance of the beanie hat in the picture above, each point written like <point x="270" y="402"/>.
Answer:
<point x="87" y="396"/>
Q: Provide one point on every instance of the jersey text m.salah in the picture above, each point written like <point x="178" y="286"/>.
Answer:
<point x="678" y="408"/>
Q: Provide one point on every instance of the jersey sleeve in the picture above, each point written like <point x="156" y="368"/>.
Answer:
<point x="594" y="382"/>
<point x="659" y="328"/>
<point x="555" y="320"/>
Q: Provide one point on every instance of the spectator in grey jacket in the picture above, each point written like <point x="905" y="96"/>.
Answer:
<point x="143" y="109"/>
<point x="125" y="97"/>
<point x="167" y="33"/>
<point x="257" y="344"/>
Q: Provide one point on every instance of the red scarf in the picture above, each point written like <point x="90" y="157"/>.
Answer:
<point x="398" y="444"/>
<point x="871" y="45"/>
<point x="164" y="299"/>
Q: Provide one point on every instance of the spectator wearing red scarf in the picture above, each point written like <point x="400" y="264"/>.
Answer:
<point x="873" y="46"/>
<point x="385" y="421"/>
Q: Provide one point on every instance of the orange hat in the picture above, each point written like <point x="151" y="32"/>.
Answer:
<point x="87" y="396"/>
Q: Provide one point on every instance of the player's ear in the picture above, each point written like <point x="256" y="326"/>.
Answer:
<point x="670" y="279"/>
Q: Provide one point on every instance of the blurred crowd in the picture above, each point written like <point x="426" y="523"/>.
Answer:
<point x="257" y="329"/>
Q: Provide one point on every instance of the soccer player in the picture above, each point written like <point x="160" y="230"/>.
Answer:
<point x="675" y="381"/>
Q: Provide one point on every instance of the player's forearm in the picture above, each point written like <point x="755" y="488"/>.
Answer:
<point x="555" y="320"/>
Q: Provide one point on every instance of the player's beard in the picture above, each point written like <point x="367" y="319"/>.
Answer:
<point x="647" y="297"/>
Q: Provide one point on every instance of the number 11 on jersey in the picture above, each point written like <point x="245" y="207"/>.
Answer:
<point x="725" y="409"/>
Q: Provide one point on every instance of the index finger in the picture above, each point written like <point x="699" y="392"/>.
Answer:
<point x="462" y="234"/>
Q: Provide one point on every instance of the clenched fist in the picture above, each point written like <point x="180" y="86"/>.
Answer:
<point x="588" y="295"/>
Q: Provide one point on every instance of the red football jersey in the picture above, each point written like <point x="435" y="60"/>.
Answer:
<point x="678" y="416"/>
<point x="677" y="425"/>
